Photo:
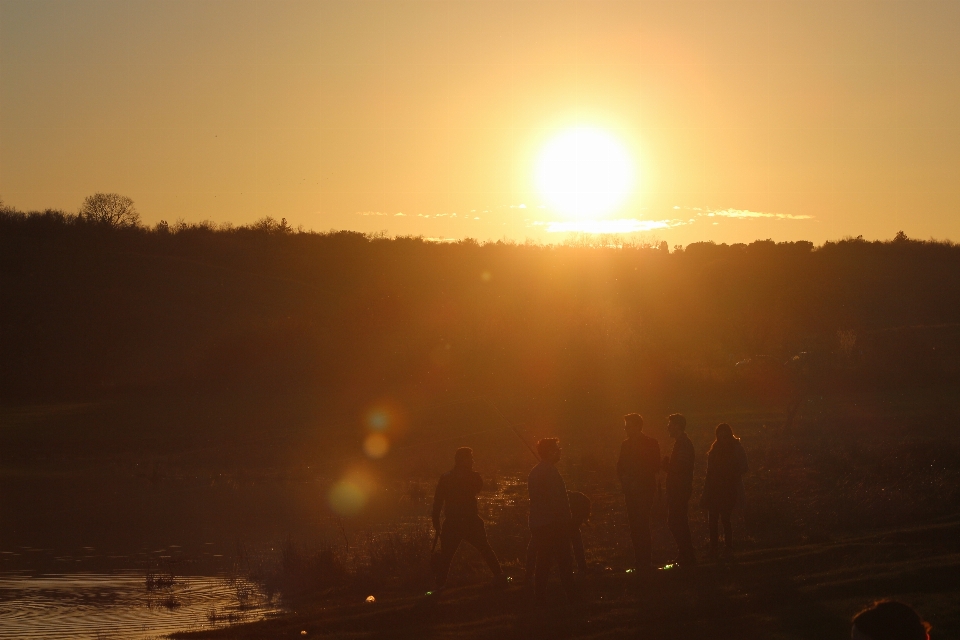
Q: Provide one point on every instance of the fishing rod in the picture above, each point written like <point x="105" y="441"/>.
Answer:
<point x="512" y="428"/>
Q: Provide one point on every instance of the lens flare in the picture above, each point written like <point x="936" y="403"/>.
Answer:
<point x="378" y="420"/>
<point x="376" y="446"/>
<point x="347" y="498"/>
<point x="386" y="416"/>
<point x="350" y="495"/>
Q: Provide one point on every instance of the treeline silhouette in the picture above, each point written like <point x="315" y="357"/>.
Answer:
<point x="90" y="309"/>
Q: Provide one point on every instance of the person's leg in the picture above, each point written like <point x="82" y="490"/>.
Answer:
<point x="477" y="536"/>
<point x="577" y="539"/>
<point x="531" y="560"/>
<point x="450" y="539"/>
<point x="638" y="513"/>
<point x="545" y="553"/>
<point x="674" y="523"/>
<point x="553" y="544"/>
<point x="632" y="512"/>
<point x="565" y="562"/>
<point x="727" y="529"/>
<point x="645" y="548"/>
<point x="681" y="506"/>
<point x="714" y="531"/>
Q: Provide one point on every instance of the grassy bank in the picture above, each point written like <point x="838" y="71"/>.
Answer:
<point x="798" y="591"/>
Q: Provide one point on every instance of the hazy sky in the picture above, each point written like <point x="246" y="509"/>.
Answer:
<point x="783" y="119"/>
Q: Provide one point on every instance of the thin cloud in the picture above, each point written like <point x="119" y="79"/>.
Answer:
<point x="745" y="213"/>
<point x="623" y="225"/>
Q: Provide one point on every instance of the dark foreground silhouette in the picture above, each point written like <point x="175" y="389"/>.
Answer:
<point x="456" y="499"/>
<point x="187" y="381"/>
<point x="802" y="592"/>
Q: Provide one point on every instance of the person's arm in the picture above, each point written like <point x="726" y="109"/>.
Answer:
<point x="560" y="488"/>
<point x="533" y="489"/>
<point x="706" y="497"/>
<point x="620" y="463"/>
<point x="538" y="500"/>
<point x="649" y="455"/>
<point x="438" y="499"/>
<point x="742" y="459"/>
<point x="560" y="497"/>
<point x="689" y="460"/>
<point x="477" y="483"/>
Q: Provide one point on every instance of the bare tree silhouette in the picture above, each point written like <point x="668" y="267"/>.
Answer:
<point x="110" y="209"/>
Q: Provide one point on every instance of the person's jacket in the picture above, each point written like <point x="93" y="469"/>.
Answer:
<point x="680" y="469"/>
<point x="723" y="486"/>
<point x="548" y="496"/>
<point x="456" y="495"/>
<point x="579" y="506"/>
<point x="638" y="464"/>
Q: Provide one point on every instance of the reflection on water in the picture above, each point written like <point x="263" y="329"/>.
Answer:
<point x="90" y="605"/>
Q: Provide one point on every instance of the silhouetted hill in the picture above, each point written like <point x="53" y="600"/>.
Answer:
<point x="88" y="311"/>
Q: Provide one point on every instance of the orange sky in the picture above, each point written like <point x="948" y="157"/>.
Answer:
<point x="783" y="119"/>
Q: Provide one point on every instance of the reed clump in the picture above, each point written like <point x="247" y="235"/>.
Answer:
<point x="155" y="581"/>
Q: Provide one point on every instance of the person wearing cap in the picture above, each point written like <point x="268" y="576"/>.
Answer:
<point x="456" y="499"/>
<point x="580" y="513"/>
<point x="550" y="519"/>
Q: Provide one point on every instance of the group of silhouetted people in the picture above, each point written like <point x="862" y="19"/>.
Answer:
<point x="555" y="519"/>
<point x="556" y="515"/>
<point x="638" y="467"/>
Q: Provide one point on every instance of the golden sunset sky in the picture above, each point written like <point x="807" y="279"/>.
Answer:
<point x="741" y="120"/>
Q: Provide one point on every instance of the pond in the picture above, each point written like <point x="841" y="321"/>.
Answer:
<point x="123" y="605"/>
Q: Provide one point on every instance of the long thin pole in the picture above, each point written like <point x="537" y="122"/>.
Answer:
<point x="514" y="429"/>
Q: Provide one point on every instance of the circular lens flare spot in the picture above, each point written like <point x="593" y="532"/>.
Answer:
<point x="347" y="498"/>
<point x="376" y="446"/>
<point x="584" y="172"/>
<point x="378" y="420"/>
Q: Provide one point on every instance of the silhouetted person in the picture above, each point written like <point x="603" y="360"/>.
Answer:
<point x="723" y="486"/>
<point x="456" y="498"/>
<point x="679" y="487"/>
<point x="579" y="514"/>
<point x="550" y="520"/>
<point x="889" y="620"/>
<point x="637" y="469"/>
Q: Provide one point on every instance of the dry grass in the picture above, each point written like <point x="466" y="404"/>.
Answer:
<point x="785" y="593"/>
<point x="811" y="485"/>
<point x="835" y="517"/>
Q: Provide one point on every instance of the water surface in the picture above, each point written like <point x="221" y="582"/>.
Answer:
<point x="107" y="606"/>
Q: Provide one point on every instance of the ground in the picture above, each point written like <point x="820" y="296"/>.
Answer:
<point x="805" y="591"/>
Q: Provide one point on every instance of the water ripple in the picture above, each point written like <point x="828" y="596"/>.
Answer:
<point x="93" y="605"/>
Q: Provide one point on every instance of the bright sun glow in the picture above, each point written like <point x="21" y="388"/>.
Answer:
<point x="584" y="173"/>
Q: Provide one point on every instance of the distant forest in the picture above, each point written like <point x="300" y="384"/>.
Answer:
<point x="90" y="309"/>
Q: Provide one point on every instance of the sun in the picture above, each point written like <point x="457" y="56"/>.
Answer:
<point x="584" y="173"/>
